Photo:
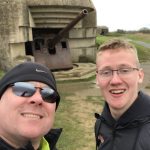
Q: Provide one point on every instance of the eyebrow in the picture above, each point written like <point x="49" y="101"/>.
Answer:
<point x="119" y="66"/>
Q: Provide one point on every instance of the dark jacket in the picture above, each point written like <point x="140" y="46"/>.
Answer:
<point x="51" y="137"/>
<point x="131" y="131"/>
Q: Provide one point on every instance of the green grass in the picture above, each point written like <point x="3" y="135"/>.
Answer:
<point x="144" y="53"/>
<point x="73" y="136"/>
<point x="101" y="39"/>
<point x="1" y="73"/>
<point x="77" y="80"/>
<point x="139" y="37"/>
<point x="73" y="132"/>
<point x="98" y="100"/>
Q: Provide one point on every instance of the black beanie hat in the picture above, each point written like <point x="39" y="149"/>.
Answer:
<point x="29" y="71"/>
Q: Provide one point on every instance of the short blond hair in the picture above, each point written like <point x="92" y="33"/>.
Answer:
<point x="116" y="44"/>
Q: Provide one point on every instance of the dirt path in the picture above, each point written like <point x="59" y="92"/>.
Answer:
<point x="147" y="45"/>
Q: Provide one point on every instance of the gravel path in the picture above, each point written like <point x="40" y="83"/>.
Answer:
<point x="147" y="45"/>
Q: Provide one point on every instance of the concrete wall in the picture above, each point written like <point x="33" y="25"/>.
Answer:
<point x="13" y="29"/>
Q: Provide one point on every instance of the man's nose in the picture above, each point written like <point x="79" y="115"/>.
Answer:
<point x="115" y="79"/>
<point x="36" y="98"/>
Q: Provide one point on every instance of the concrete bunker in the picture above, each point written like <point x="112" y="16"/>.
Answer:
<point x="54" y="33"/>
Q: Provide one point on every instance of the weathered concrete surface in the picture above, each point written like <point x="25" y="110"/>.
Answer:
<point x="20" y="17"/>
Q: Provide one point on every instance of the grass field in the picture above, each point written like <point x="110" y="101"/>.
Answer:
<point x="1" y="73"/>
<point x="76" y="115"/>
<point x="144" y="53"/>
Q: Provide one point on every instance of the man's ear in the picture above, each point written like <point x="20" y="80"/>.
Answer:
<point x="141" y="75"/>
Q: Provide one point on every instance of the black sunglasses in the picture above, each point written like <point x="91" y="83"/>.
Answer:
<point x="24" y="89"/>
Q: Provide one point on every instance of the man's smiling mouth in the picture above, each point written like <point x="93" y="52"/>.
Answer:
<point x="31" y="115"/>
<point x="121" y="91"/>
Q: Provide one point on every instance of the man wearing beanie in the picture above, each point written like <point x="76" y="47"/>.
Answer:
<point x="28" y="102"/>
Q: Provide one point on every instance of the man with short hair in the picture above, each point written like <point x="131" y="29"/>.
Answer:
<point x="28" y="102"/>
<point x="125" y="121"/>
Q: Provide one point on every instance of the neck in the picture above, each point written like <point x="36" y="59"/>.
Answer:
<point x="116" y="114"/>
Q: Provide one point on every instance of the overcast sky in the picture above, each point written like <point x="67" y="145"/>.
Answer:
<point x="123" y="14"/>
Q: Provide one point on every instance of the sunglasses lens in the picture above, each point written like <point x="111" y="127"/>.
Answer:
<point x="49" y="95"/>
<point x="23" y="89"/>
